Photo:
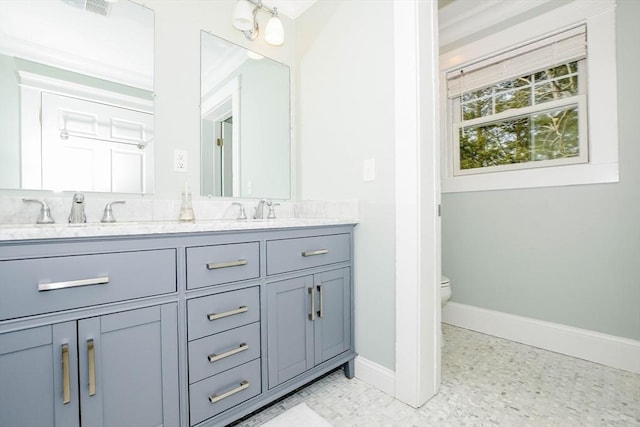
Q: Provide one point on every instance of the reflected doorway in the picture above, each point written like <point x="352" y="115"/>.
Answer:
<point x="220" y="155"/>
<point x="217" y="155"/>
<point x="222" y="158"/>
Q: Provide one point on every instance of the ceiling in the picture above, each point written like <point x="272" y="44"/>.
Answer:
<point x="290" y="8"/>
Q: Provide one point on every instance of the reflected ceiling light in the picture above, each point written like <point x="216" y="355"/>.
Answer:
<point x="244" y="19"/>
<point x="251" y="54"/>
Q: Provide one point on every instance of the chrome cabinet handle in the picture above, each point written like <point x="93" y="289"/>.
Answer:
<point x="215" y="316"/>
<point x="218" y="397"/>
<point x="319" y="287"/>
<point x="91" y="358"/>
<point x="317" y="252"/>
<point x="216" y="265"/>
<point x="312" y="315"/>
<point x="215" y="357"/>
<point x="73" y="284"/>
<point x="66" y="386"/>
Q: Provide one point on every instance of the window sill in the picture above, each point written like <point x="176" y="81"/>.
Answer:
<point x="531" y="178"/>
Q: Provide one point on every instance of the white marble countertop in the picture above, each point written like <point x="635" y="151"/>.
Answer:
<point x="11" y="232"/>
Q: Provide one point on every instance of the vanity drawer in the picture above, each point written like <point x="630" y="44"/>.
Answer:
<point x="44" y="285"/>
<point x="216" y="353"/>
<point x="216" y="313"/>
<point x="226" y="390"/>
<point x="216" y="264"/>
<point x="306" y="252"/>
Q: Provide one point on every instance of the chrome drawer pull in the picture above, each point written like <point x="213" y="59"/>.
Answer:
<point x="313" y="253"/>
<point x="218" y="397"/>
<point x="73" y="284"/>
<point x="215" y="357"/>
<point x="215" y="316"/>
<point x="216" y="265"/>
<point x="319" y="287"/>
<point x="312" y="314"/>
<point x="66" y="383"/>
<point x="91" y="362"/>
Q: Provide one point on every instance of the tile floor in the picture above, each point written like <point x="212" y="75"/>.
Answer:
<point x="486" y="381"/>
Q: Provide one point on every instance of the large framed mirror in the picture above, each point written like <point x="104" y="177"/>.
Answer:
<point x="76" y="96"/>
<point x="245" y="122"/>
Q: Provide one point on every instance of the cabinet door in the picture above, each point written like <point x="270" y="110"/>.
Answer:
<point x="332" y="327"/>
<point x="289" y="328"/>
<point x="38" y="377"/>
<point x="128" y="368"/>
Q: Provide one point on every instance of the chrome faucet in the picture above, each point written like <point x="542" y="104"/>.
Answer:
<point x="242" y="215"/>
<point x="77" y="214"/>
<point x="259" y="213"/>
<point x="45" y="212"/>
<point x="272" y="211"/>
<point x="107" y="215"/>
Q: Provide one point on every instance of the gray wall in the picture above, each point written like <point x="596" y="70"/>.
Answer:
<point x="264" y="130"/>
<point x="568" y="255"/>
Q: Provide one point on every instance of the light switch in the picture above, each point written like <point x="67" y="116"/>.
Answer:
<point x="369" y="170"/>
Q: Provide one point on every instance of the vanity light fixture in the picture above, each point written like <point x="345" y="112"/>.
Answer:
<point x="244" y="19"/>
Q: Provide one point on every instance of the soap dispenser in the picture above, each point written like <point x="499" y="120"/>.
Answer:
<point x="186" y="209"/>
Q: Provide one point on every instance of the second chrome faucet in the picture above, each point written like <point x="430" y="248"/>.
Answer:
<point x="259" y="212"/>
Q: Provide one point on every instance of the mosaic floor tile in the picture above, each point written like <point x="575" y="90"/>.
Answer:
<point x="486" y="381"/>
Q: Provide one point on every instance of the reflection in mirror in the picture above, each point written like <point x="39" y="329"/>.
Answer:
<point x="245" y="122"/>
<point x="76" y="96"/>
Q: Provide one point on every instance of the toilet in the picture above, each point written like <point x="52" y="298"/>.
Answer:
<point x="445" y="290"/>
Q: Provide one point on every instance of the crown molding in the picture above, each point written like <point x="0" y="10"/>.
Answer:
<point x="462" y="18"/>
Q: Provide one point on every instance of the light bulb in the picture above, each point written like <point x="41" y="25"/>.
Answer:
<point x="243" y="16"/>
<point x="274" y="33"/>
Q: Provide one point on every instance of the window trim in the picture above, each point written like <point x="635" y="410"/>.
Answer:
<point x="602" y="167"/>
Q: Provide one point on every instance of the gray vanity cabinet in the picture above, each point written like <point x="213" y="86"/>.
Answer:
<point x="309" y="321"/>
<point x="332" y="325"/>
<point x="31" y="371"/>
<point x="308" y="316"/>
<point x="77" y="346"/>
<point x="127" y="368"/>
<point x="105" y="371"/>
<point x="186" y="329"/>
<point x="290" y="334"/>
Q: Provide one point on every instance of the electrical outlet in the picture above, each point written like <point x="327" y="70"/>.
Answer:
<point x="180" y="161"/>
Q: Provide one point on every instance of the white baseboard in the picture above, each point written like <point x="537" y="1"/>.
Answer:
<point x="617" y="352"/>
<point x="377" y="376"/>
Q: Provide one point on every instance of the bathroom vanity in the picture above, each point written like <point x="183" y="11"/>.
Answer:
<point x="174" y="325"/>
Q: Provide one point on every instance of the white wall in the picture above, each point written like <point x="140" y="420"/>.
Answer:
<point x="344" y="65"/>
<point x="9" y="129"/>
<point x="177" y="77"/>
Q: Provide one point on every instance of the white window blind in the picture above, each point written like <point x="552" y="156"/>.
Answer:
<point x="560" y="48"/>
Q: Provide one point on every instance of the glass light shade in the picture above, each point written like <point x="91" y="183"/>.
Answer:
<point x="274" y="33"/>
<point x="243" y="16"/>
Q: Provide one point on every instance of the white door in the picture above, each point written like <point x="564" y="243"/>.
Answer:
<point x="90" y="146"/>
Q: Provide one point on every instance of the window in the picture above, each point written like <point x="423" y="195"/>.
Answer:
<point x="515" y="104"/>
<point x="504" y="118"/>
